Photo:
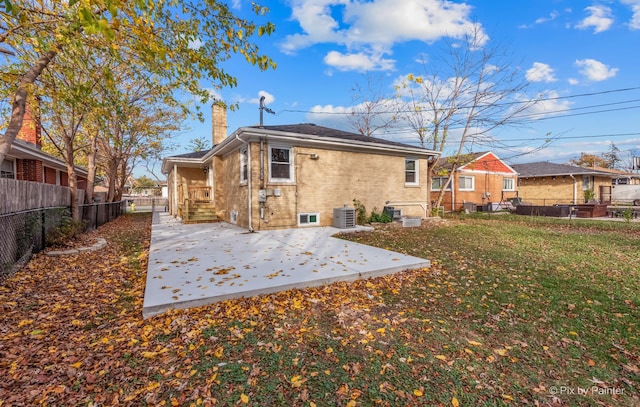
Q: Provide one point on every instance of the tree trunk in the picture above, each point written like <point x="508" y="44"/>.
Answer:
<point x="91" y="170"/>
<point x="76" y="215"/>
<point x="112" y="173"/>
<point x="20" y="102"/>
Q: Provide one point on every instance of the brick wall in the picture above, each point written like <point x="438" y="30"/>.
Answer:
<point x="482" y="183"/>
<point x="29" y="170"/>
<point x="557" y="190"/>
<point x="331" y="181"/>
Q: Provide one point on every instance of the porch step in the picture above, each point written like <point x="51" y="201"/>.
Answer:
<point x="200" y="213"/>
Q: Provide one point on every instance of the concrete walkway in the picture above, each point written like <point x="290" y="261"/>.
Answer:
<point x="199" y="264"/>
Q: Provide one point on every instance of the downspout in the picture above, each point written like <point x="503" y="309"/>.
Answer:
<point x="174" y="210"/>
<point x="262" y="162"/>
<point x="575" y="189"/>
<point x="248" y="182"/>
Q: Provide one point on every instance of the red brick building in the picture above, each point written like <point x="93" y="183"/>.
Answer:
<point x="27" y="162"/>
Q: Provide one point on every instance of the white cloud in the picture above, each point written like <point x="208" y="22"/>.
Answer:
<point x="369" y="29"/>
<point x="552" y="16"/>
<point x="595" y="70"/>
<point x="600" y="19"/>
<point x="634" y="24"/>
<point x="358" y="62"/>
<point x="336" y="117"/>
<point x="540" y="72"/>
<point x="550" y="105"/>
<point x="268" y="98"/>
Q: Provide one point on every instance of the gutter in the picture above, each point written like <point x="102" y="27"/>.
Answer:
<point x="249" y="208"/>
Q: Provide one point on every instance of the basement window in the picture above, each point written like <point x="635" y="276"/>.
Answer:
<point x="309" y="219"/>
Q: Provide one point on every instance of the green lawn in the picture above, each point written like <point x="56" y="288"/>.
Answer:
<point x="514" y="311"/>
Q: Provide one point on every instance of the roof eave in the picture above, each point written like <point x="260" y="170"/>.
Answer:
<point x="248" y="134"/>
<point x="35" y="153"/>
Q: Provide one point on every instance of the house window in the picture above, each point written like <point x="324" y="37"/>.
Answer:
<point x="508" y="184"/>
<point x="7" y="170"/>
<point x="438" y="182"/>
<point x="465" y="183"/>
<point x="243" y="165"/>
<point x="281" y="164"/>
<point x="411" y="171"/>
<point x="308" y="219"/>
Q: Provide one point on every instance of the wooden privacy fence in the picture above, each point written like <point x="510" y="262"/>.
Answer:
<point x="16" y="196"/>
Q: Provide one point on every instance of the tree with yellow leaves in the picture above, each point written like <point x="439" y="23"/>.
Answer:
<point x="181" y="42"/>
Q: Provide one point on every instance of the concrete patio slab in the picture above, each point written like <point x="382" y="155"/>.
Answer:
<point x="198" y="264"/>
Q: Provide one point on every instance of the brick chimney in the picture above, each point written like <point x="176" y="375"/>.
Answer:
<point x="30" y="130"/>
<point x="218" y="122"/>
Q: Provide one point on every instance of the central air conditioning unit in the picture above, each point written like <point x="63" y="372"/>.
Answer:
<point x="344" y="217"/>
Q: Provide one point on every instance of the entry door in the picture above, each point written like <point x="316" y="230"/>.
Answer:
<point x="605" y="193"/>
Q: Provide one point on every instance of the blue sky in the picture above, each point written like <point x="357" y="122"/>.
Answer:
<point x="583" y="56"/>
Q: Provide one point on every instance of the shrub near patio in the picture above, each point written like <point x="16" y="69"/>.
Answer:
<point x="512" y="312"/>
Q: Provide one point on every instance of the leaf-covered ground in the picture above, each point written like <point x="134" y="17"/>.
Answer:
<point x="511" y="313"/>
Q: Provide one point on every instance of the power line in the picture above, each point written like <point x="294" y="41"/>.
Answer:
<point x="503" y="104"/>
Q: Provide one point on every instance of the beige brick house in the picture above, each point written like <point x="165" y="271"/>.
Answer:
<point x="284" y="176"/>
<point x="545" y="183"/>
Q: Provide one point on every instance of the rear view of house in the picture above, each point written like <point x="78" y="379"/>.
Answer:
<point x="283" y="176"/>
<point x="478" y="179"/>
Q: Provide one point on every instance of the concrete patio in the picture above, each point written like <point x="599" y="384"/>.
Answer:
<point x="198" y="264"/>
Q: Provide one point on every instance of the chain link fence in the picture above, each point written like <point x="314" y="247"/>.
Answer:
<point x="24" y="233"/>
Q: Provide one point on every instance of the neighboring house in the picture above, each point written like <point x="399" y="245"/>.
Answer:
<point x="268" y="177"/>
<point x="625" y="186"/>
<point x="27" y="162"/>
<point x="620" y="177"/>
<point x="482" y="179"/>
<point x="545" y="183"/>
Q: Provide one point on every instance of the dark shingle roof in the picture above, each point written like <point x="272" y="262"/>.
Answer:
<point x="314" y="130"/>
<point x="546" y="169"/>
<point x="193" y="154"/>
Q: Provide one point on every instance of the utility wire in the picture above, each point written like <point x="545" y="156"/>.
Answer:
<point x="501" y="104"/>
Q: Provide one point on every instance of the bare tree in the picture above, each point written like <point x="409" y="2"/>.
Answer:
<point x="459" y="102"/>
<point x="372" y="111"/>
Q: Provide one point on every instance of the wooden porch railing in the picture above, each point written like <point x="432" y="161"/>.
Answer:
<point x="199" y="194"/>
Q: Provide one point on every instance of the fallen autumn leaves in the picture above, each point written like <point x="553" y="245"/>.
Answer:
<point x="71" y="333"/>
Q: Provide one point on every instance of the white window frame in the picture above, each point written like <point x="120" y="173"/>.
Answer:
<point x="291" y="166"/>
<point x="460" y="184"/>
<point x="508" y="180"/>
<point x="415" y="171"/>
<point x="448" y="188"/>
<point x="244" y="165"/>
<point x="308" y="215"/>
